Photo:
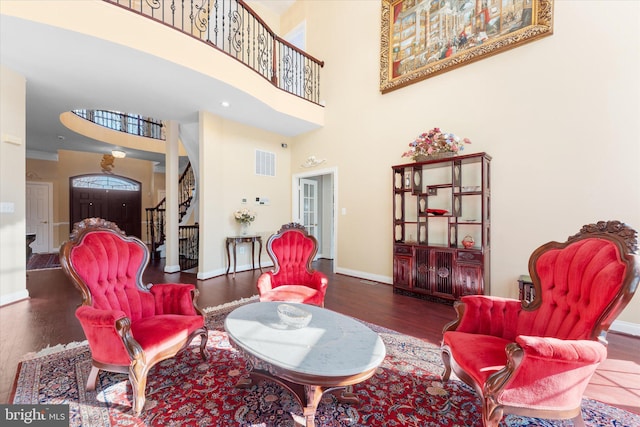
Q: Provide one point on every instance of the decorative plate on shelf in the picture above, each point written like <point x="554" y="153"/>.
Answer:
<point x="437" y="211"/>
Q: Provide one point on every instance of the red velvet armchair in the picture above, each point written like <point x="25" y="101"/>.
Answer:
<point x="535" y="359"/>
<point x="292" y="279"/>
<point x="129" y="327"/>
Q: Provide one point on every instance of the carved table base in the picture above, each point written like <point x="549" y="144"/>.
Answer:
<point x="307" y="395"/>
<point x="329" y="355"/>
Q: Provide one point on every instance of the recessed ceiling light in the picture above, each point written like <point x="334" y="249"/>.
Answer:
<point x="225" y="104"/>
<point x="118" y="154"/>
<point x="61" y="138"/>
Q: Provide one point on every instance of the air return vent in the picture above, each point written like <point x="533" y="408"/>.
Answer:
<point x="265" y="163"/>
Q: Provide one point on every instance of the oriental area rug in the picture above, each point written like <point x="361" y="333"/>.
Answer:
<point x="185" y="391"/>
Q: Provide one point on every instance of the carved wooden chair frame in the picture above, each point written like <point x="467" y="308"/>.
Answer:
<point x="298" y="228"/>
<point x="626" y="240"/>
<point x="140" y="364"/>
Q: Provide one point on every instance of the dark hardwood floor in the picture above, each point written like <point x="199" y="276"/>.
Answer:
<point x="47" y="319"/>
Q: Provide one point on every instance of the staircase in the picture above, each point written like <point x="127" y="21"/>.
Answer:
<point x="187" y="234"/>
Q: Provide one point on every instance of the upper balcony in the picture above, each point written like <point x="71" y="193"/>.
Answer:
<point x="169" y="62"/>
<point x="231" y="26"/>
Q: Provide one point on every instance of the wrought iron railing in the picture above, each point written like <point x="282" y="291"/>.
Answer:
<point x="124" y="122"/>
<point x="188" y="246"/>
<point x="235" y="29"/>
<point x="156" y="229"/>
<point x="156" y="221"/>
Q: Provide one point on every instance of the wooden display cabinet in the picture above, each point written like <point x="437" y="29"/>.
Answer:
<point x="436" y="204"/>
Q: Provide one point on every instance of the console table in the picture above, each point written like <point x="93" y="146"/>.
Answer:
<point x="234" y="241"/>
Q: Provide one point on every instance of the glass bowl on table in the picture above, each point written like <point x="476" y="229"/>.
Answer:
<point x="293" y="316"/>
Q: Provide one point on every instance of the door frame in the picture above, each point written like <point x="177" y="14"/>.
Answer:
<point x="49" y="210"/>
<point x="295" y="203"/>
<point x="72" y="190"/>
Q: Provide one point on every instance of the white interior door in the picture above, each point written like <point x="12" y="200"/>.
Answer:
<point x="309" y="205"/>
<point x="326" y="184"/>
<point x="38" y="215"/>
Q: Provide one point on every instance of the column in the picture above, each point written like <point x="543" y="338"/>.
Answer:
<point x="172" y="175"/>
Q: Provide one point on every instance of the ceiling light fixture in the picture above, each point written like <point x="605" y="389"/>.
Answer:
<point x="118" y="154"/>
<point x="225" y="104"/>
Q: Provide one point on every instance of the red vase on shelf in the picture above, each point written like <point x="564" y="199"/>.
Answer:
<point x="468" y="242"/>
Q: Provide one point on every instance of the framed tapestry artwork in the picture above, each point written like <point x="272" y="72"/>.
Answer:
<point x="423" y="38"/>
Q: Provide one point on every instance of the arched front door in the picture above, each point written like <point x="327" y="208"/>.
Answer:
<point x="114" y="198"/>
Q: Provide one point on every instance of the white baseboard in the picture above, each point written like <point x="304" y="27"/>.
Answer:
<point x="14" y="297"/>
<point x="222" y="271"/>
<point x="368" y="276"/>
<point x="172" y="268"/>
<point x="204" y="275"/>
<point x="617" y="326"/>
<point x="625" y="327"/>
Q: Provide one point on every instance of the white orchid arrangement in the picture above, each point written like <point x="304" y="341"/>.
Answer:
<point x="244" y="216"/>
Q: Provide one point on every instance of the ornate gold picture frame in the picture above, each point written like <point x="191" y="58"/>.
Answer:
<point x="423" y="38"/>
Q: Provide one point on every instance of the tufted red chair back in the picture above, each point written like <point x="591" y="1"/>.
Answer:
<point x="110" y="266"/>
<point x="292" y="252"/>
<point x="579" y="283"/>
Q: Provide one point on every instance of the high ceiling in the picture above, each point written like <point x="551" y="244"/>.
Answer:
<point x="66" y="70"/>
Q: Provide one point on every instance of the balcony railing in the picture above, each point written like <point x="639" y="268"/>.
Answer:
<point x="129" y="123"/>
<point x="235" y="29"/>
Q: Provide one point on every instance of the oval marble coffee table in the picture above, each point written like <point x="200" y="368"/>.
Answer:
<point x="332" y="353"/>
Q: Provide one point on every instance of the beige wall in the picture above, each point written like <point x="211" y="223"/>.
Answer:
<point x="158" y="185"/>
<point x="267" y="15"/>
<point x="72" y="163"/>
<point x="12" y="186"/>
<point x="560" y="116"/>
<point x="227" y="153"/>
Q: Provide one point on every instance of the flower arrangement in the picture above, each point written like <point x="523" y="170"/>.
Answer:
<point x="434" y="142"/>
<point x="244" y="216"/>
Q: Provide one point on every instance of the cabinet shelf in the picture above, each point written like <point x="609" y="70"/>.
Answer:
<point x="429" y="258"/>
<point x="469" y="193"/>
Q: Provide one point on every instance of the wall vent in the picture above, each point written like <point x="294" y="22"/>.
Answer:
<point x="265" y="163"/>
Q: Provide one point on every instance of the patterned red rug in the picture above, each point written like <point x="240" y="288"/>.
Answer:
<point x="405" y="391"/>
<point x="43" y="261"/>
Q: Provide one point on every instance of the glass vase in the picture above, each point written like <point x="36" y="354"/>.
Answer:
<point x="244" y="228"/>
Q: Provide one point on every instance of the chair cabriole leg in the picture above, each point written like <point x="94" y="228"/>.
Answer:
<point x="491" y="412"/>
<point x="204" y="336"/>
<point x="93" y="377"/>
<point x="447" y="365"/>
<point x="138" y="379"/>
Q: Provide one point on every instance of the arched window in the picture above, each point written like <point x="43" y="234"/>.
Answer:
<point x="105" y="182"/>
